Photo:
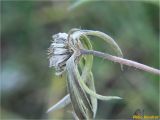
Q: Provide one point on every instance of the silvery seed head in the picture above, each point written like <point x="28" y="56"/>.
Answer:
<point x="59" y="52"/>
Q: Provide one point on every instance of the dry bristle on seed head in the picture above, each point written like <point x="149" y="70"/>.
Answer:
<point x="59" y="52"/>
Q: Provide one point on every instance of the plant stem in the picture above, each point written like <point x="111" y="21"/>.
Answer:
<point x="121" y="61"/>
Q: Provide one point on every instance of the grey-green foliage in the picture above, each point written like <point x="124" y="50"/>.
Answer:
<point x="80" y="82"/>
<point x="85" y="109"/>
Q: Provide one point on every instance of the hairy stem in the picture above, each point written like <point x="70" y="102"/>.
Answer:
<point x="121" y="61"/>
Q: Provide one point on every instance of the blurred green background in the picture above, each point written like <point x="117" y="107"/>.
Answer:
<point x="29" y="87"/>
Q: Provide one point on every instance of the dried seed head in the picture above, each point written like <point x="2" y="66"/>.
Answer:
<point x="64" y="54"/>
<point x="59" y="52"/>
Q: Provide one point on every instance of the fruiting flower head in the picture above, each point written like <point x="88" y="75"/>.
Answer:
<point x="59" y="52"/>
<point x="65" y="54"/>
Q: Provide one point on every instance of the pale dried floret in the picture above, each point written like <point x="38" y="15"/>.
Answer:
<point x="59" y="52"/>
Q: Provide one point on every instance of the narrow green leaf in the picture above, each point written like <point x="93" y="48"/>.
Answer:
<point x="90" y="82"/>
<point x="87" y="76"/>
<point x="80" y="101"/>
<point x="62" y="103"/>
<point x="92" y="93"/>
<point x="106" y="38"/>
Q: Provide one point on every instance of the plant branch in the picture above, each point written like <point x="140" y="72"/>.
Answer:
<point x="121" y="61"/>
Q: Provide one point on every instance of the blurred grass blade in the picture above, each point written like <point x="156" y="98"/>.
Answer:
<point x="62" y="103"/>
<point x="77" y="4"/>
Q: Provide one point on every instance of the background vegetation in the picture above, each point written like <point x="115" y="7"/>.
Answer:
<point x="29" y="87"/>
